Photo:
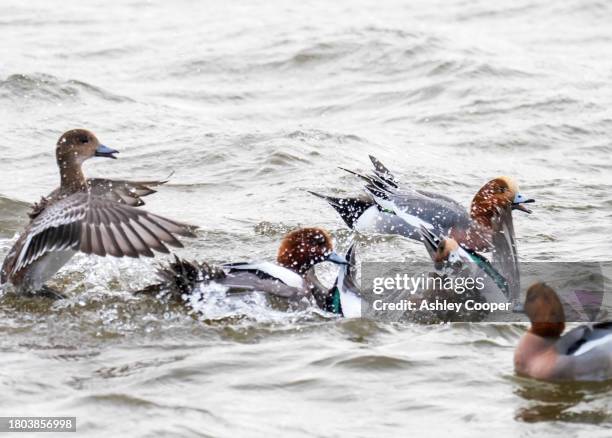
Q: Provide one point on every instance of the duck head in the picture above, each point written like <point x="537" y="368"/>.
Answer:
<point x="545" y="311"/>
<point x="78" y="145"/>
<point x="73" y="148"/>
<point x="498" y="194"/>
<point x="446" y="253"/>
<point x="303" y="248"/>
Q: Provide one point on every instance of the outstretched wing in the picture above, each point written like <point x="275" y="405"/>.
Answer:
<point x="100" y="226"/>
<point x="122" y="191"/>
<point x="118" y="190"/>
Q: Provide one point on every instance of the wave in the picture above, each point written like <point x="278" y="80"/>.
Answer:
<point x="44" y="87"/>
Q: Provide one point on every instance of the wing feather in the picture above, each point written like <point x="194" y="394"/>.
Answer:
<point x="148" y="237"/>
<point x="161" y="231"/>
<point x="98" y="225"/>
<point x="127" y="247"/>
<point x="135" y="240"/>
<point x="107" y="240"/>
<point x="97" y="246"/>
<point x="85" y="239"/>
<point x="110" y="243"/>
<point x="122" y="191"/>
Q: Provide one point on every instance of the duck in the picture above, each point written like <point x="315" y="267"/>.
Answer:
<point x="345" y="298"/>
<point x="582" y="354"/>
<point x="289" y="279"/>
<point x="453" y="260"/>
<point x="389" y="208"/>
<point x="91" y="216"/>
<point x="488" y="227"/>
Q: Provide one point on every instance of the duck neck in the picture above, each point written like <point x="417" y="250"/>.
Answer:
<point x="482" y="215"/>
<point x="475" y="237"/>
<point x="72" y="177"/>
<point x="547" y="330"/>
<point x="536" y="344"/>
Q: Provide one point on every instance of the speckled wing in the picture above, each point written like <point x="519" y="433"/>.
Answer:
<point x="416" y="207"/>
<point x="122" y="191"/>
<point x="504" y="254"/>
<point x="118" y="190"/>
<point x="392" y="184"/>
<point x="100" y="226"/>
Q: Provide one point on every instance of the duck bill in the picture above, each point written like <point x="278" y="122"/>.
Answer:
<point x="336" y="258"/>
<point x="105" y="151"/>
<point x="520" y="201"/>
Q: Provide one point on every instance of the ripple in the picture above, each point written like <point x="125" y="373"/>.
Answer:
<point x="127" y="401"/>
<point x="375" y="362"/>
<point x="136" y="367"/>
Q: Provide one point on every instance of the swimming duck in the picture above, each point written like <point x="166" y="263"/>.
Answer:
<point x="584" y="353"/>
<point x="93" y="216"/>
<point x="289" y="279"/>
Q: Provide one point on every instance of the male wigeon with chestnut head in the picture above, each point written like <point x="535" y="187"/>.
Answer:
<point x="584" y="353"/>
<point x="289" y="278"/>
<point x="393" y="209"/>
<point x="93" y="216"/>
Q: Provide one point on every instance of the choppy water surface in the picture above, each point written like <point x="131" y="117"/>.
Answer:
<point x="251" y="104"/>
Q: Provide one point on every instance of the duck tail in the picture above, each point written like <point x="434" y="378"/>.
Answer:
<point x="180" y="277"/>
<point x="349" y="209"/>
<point x="381" y="183"/>
<point x="383" y="173"/>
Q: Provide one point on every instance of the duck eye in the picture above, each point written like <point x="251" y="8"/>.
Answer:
<point x="84" y="139"/>
<point x="318" y="239"/>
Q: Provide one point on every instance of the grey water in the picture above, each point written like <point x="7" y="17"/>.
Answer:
<point x="250" y="104"/>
